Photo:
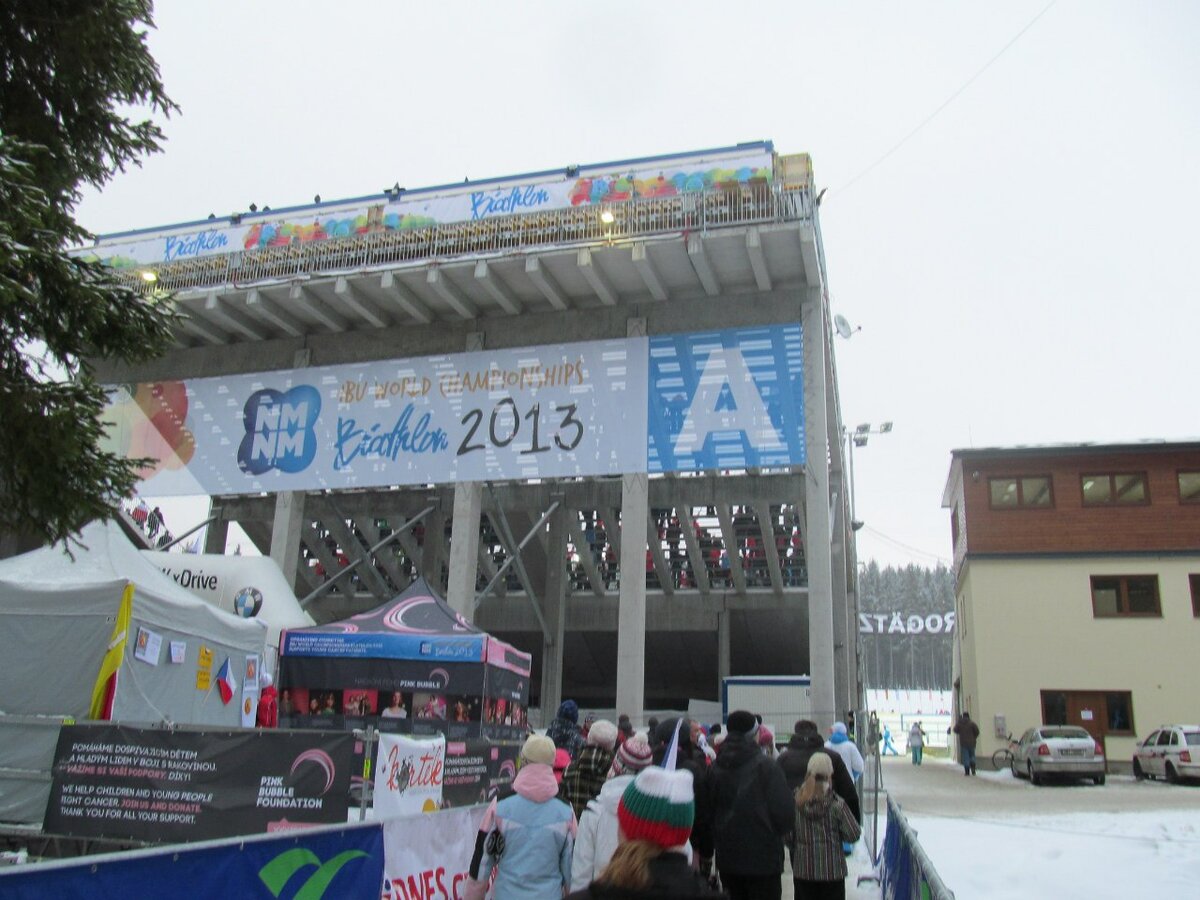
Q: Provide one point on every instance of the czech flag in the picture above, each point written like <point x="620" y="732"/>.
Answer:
<point x="225" y="682"/>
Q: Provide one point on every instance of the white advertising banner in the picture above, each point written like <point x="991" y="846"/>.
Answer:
<point x="558" y="410"/>
<point x="408" y="775"/>
<point x="583" y="186"/>
<point x="429" y="856"/>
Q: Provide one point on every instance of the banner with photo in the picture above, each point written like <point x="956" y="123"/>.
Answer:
<point x="155" y="785"/>
<point x="408" y="775"/>
<point x="585" y="186"/>
<point x="730" y="399"/>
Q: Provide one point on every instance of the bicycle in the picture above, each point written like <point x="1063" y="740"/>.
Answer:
<point x="1003" y="758"/>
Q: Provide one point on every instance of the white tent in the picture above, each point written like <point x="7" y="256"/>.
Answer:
<point x="58" y="617"/>
<point x="248" y="586"/>
<point x="66" y="625"/>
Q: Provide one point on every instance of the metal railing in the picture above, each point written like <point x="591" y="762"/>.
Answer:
<point x="641" y="217"/>
<point x="908" y="872"/>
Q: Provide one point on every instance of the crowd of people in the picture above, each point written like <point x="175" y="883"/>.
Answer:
<point x="599" y="810"/>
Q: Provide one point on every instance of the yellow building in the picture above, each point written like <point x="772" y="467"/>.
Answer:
<point x="1077" y="589"/>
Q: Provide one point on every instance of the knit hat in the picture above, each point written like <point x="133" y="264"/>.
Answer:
<point x="538" y="749"/>
<point x="741" y="722"/>
<point x="603" y="734"/>
<point x="820" y="764"/>
<point x="562" y="759"/>
<point x="658" y="806"/>
<point x="569" y="710"/>
<point x="632" y="756"/>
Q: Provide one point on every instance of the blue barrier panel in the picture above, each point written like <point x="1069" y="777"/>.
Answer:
<point x="343" y="861"/>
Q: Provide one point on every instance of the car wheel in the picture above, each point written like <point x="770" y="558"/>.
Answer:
<point x="1033" y="776"/>
<point x="1137" y="771"/>
<point x="1099" y="779"/>
<point x="1172" y="775"/>
<point x="1012" y="764"/>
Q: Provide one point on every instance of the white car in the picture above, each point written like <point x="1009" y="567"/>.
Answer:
<point x="1172" y="752"/>
<point x="1065" y="750"/>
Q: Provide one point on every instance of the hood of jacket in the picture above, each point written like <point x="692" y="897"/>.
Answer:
<point x="536" y="782"/>
<point x="735" y="751"/>
<point x="806" y="740"/>
<point x="818" y="808"/>
<point x="610" y="794"/>
<point x="838" y="738"/>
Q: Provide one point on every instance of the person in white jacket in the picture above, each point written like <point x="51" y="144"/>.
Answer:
<point x="841" y="744"/>
<point x="596" y="840"/>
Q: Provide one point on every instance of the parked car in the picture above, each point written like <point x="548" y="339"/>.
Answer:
<point x="1172" y="752"/>
<point x="1065" y="750"/>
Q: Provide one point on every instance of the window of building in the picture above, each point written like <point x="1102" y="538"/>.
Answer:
<point x="1194" y="584"/>
<point x="1189" y="487"/>
<point x="1029" y="492"/>
<point x="1128" y="489"/>
<point x="1125" y="595"/>
<point x="1100" y="712"/>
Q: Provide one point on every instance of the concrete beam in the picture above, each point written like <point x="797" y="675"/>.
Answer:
<point x="631" y="629"/>
<point x="301" y="296"/>
<point x="766" y="527"/>
<point x="729" y="538"/>
<point x="494" y="286"/>
<point x="359" y="304"/>
<point x="654" y="547"/>
<point x="701" y="265"/>
<point x="233" y="320"/>
<point x="597" y="279"/>
<point x="758" y="260"/>
<point x="193" y="322"/>
<point x="545" y="283"/>
<point x="448" y="292"/>
<point x="270" y="312"/>
<point x="464" y="547"/>
<point x="398" y="292"/>
<point x="646" y="268"/>
<point x="285" y="533"/>
<point x="695" y="554"/>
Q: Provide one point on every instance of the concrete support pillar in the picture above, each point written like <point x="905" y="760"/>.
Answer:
<point x="433" y="553"/>
<point x="285" y="533"/>
<point x="819" y="539"/>
<point x="289" y="512"/>
<point x="464" y="548"/>
<point x="554" y="611"/>
<point x="631" y="616"/>
<point x="724" y="660"/>
<point x="216" y="536"/>
<point x="843" y="648"/>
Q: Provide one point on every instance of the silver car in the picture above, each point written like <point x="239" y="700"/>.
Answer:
<point x="1065" y="750"/>
<point x="1172" y="752"/>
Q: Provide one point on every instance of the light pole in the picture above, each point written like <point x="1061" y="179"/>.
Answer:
<point x="859" y="438"/>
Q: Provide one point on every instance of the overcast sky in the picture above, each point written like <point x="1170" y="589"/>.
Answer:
<point x="1019" y="266"/>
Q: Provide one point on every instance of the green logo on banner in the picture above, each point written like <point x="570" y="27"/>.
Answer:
<point x="279" y="871"/>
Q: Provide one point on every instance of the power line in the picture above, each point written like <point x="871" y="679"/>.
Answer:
<point x="911" y="549"/>
<point x="929" y="118"/>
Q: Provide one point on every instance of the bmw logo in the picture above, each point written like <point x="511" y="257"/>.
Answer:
<point x="248" y="602"/>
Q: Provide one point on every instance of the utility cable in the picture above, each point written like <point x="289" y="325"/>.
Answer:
<point x="929" y="118"/>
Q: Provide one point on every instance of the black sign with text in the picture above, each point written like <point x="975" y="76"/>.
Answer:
<point x="164" y="786"/>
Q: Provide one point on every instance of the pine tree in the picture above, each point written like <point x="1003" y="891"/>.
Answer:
<point x="69" y="72"/>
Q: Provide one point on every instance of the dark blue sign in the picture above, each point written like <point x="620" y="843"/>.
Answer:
<point x="333" y="861"/>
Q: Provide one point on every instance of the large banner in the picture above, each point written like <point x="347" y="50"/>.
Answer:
<point x="155" y="785"/>
<point x="343" y="862"/>
<point x="429" y="856"/>
<point x="728" y="399"/>
<point x="403" y="210"/>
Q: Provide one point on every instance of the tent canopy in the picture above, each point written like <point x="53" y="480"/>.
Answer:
<point x="57" y="616"/>
<point x="416" y="624"/>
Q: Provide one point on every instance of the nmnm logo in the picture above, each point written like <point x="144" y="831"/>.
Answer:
<point x="280" y="432"/>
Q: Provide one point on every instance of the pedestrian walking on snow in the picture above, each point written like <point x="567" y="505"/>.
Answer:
<point x="840" y="743"/>
<point x="887" y="742"/>
<point x="968" y="736"/>
<point x="823" y="825"/>
<point x="916" y="742"/>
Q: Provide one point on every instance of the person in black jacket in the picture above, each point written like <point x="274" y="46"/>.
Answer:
<point x="807" y="740"/>
<point x="752" y="811"/>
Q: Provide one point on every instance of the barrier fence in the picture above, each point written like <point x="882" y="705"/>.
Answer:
<point x="907" y="872"/>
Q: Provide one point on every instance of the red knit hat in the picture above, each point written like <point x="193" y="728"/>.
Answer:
<point x="658" y="806"/>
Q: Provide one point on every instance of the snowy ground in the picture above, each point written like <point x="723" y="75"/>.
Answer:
<point x="997" y="837"/>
